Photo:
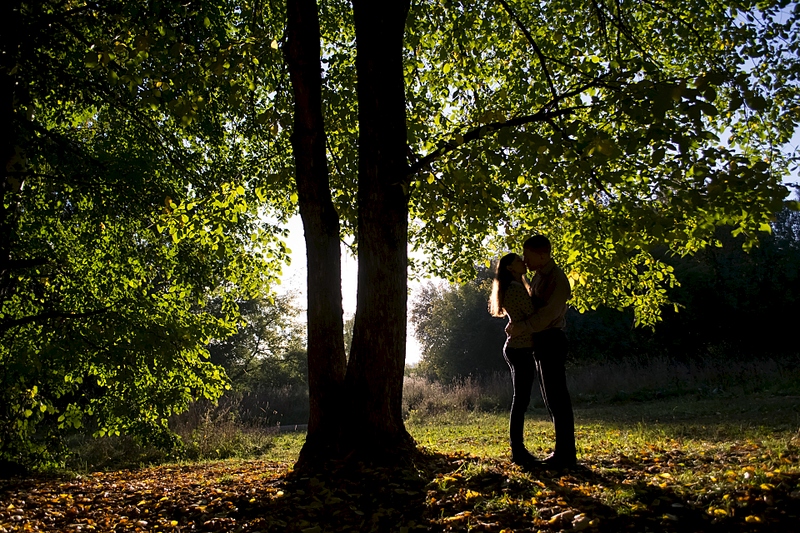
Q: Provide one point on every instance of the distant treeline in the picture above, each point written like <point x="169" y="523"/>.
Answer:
<point x="730" y="304"/>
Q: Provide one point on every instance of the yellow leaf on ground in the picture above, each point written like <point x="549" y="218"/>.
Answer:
<point x="566" y="516"/>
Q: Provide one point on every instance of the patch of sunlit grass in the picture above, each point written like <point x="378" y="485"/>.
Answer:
<point x="617" y="496"/>
<point x="671" y="465"/>
<point x="285" y="447"/>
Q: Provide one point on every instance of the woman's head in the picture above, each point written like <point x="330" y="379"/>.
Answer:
<point x="503" y="276"/>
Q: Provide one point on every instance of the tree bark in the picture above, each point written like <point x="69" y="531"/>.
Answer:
<point x="9" y="185"/>
<point x="326" y="355"/>
<point x="377" y="356"/>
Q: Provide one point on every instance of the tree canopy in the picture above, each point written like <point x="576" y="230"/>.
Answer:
<point x="125" y="211"/>
<point x="614" y="128"/>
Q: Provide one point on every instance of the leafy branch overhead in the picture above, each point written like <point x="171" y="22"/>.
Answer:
<point x="677" y="124"/>
<point x="130" y="203"/>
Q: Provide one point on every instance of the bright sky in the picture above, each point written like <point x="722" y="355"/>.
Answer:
<point x="294" y="281"/>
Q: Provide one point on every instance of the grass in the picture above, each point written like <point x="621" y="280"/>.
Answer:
<point x="663" y="447"/>
<point x="611" y="394"/>
<point x="235" y="427"/>
<point x="229" y="429"/>
<point x="685" y="464"/>
<point x="773" y="421"/>
<point x="681" y="462"/>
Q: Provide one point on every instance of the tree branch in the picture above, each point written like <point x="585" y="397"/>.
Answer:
<point x="687" y="24"/>
<point x="8" y="324"/>
<point x="333" y="157"/>
<point x="59" y="141"/>
<point x="535" y="46"/>
<point x="19" y="264"/>
<point x="592" y="173"/>
<point x="484" y="130"/>
<point x="601" y="20"/>
<point x="544" y="115"/>
<point x="620" y="25"/>
<point x="161" y="140"/>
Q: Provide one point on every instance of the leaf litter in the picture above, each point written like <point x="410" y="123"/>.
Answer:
<point x="739" y="488"/>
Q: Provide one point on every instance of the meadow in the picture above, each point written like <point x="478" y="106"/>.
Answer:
<point x="706" y="459"/>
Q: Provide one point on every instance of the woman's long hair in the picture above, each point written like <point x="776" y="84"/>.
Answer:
<point x="502" y="279"/>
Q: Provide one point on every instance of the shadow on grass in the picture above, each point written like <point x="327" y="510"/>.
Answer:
<point x="502" y="497"/>
<point x="463" y="493"/>
<point x="433" y="492"/>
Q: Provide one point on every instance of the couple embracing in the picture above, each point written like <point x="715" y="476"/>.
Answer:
<point x="536" y="344"/>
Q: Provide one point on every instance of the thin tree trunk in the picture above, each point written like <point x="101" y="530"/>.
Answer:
<point x="10" y="184"/>
<point x="326" y="355"/>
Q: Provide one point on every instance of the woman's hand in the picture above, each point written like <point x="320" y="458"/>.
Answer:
<point x="510" y="329"/>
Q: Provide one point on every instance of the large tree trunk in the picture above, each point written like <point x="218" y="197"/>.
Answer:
<point x="9" y="183"/>
<point x="326" y="355"/>
<point x="377" y="356"/>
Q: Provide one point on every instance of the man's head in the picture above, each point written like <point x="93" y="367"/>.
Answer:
<point x="536" y="252"/>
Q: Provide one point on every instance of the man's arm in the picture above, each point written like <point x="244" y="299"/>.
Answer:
<point x="548" y="313"/>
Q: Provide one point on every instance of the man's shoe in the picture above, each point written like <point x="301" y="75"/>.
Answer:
<point x="559" y="462"/>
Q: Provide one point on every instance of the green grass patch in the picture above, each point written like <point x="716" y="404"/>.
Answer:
<point x="682" y="465"/>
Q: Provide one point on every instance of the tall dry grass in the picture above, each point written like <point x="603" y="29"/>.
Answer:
<point x="632" y="380"/>
<point x="422" y="397"/>
<point x="663" y="377"/>
<point x="236" y="426"/>
<point x="244" y="425"/>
